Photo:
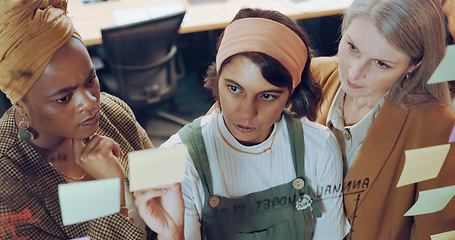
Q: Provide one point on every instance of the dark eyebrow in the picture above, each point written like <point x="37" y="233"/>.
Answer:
<point x="64" y="90"/>
<point x="276" y="91"/>
<point x="273" y="91"/>
<point x="91" y="75"/>
<point x="231" y="81"/>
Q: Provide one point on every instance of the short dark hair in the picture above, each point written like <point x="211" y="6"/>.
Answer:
<point x="306" y="97"/>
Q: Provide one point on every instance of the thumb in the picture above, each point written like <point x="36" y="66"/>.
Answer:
<point x="117" y="151"/>
<point x="78" y="147"/>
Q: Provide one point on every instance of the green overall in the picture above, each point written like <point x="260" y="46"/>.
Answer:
<point x="282" y="212"/>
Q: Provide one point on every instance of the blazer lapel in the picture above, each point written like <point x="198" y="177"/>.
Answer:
<point x="373" y="154"/>
<point x="329" y="90"/>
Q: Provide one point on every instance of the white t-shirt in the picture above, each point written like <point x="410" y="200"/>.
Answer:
<point x="237" y="174"/>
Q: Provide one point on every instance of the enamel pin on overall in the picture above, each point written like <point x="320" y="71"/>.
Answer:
<point x="303" y="202"/>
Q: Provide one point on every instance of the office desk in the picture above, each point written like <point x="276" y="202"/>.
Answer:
<point x="90" y="18"/>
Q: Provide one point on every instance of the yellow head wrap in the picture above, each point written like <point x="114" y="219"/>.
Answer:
<point x="31" y="31"/>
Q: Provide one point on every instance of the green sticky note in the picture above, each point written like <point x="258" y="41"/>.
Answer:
<point x="444" y="236"/>
<point x="446" y="69"/>
<point x="433" y="200"/>
<point x="84" y="201"/>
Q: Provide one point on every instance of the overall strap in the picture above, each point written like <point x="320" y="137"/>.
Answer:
<point x="297" y="143"/>
<point x="298" y="154"/>
<point x="191" y="136"/>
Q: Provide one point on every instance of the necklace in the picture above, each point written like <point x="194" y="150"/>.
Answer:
<point x="81" y="178"/>
<point x="238" y="150"/>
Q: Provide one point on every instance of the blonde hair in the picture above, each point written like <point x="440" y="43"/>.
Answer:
<point x="416" y="27"/>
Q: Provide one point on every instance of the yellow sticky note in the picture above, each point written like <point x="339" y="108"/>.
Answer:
<point x="154" y="167"/>
<point x="444" y="236"/>
<point x="423" y="164"/>
<point x="83" y="201"/>
<point x="430" y="201"/>
<point x="445" y="70"/>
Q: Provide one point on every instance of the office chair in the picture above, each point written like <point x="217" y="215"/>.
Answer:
<point x="142" y="57"/>
<point x="5" y="103"/>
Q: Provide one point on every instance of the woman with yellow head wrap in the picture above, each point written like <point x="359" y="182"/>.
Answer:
<point x="60" y="129"/>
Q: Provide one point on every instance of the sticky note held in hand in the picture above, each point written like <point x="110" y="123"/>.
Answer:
<point x="155" y="167"/>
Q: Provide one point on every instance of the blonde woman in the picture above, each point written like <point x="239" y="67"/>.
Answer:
<point x="378" y="105"/>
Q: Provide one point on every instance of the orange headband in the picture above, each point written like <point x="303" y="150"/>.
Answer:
<point x="265" y="36"/>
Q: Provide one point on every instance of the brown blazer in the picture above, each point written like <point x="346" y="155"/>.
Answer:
<point x="373" y="204"/>
<point x="29" y="205"/>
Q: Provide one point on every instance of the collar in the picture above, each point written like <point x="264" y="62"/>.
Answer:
<point x="225" y="135"/>
<point x="359" y="130"/>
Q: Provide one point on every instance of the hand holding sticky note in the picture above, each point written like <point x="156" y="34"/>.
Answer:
<point x="154" y="167"/>
<point x="85" y="201"/>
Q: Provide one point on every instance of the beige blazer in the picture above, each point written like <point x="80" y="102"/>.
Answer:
<point x="373" y="204"/>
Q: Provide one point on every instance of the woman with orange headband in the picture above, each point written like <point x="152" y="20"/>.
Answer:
<point x="60" y="129"/>
<point x="255" y="171"/>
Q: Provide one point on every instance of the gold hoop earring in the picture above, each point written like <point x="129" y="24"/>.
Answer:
<point x="24" y="134"/>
